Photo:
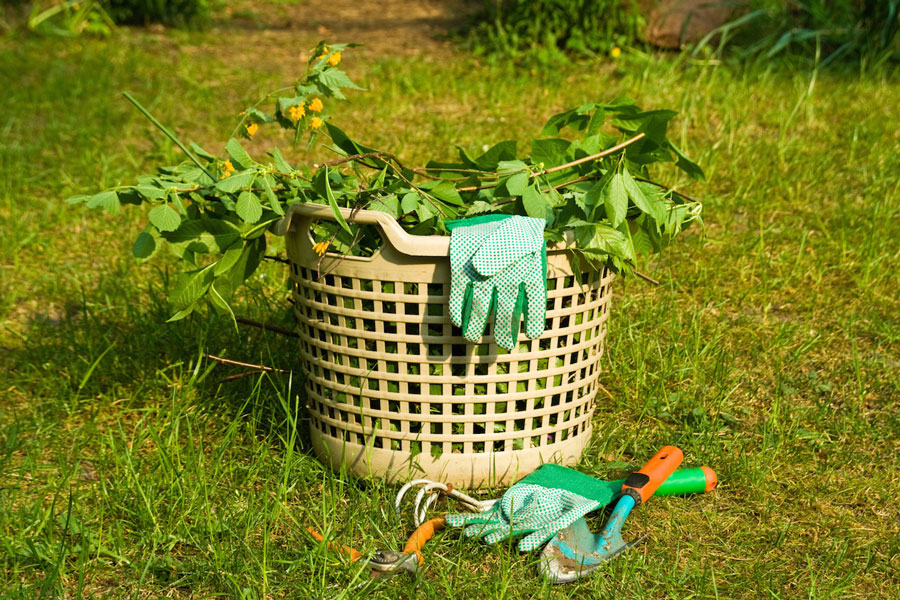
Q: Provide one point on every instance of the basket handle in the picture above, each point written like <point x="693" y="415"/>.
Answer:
<point x="300" y="217"/>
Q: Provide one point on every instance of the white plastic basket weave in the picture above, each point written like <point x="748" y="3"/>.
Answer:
<point x="394" y="390"/>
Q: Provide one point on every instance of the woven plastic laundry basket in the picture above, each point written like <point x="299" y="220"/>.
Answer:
<point x="394" y="390"/>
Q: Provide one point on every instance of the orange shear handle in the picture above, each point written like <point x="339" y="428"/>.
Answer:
<point x="643" y="484"/>
<point x="422" y="534"/>
<point x="352" y="553"/>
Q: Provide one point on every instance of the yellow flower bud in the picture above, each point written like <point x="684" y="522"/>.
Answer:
<point x="334" y="59"/>
<point x="296" y="112"/>
<point x="615" y="52"/>
<point x="315" y="105"/>
<point x="315" y="123"/>
<point x="321" y="247"/>
<point x="252" y="128"/>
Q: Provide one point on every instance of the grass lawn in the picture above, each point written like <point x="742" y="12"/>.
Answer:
<point x="771" y="351"/>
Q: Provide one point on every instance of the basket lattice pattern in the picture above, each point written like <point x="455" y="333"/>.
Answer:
<point x="394" y="389"/>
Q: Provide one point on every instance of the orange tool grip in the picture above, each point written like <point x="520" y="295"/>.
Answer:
<point x="351" y="553"/>
<point x="422" y="534"/>
<point x="644" y="483"/>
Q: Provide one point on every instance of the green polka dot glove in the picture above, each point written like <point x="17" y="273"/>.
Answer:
<point x="498" y="265"/>
<point x="541" y="505"/>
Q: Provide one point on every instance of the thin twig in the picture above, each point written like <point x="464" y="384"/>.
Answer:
<point x="272" y="328"/>
<point x="606" y="152"/>
<point x="239" y="376"/>
<point x="277" y="259"/>
<point x="236" y="363"/>
<point x="645" y="277"/>
<point x="574" y="163"/>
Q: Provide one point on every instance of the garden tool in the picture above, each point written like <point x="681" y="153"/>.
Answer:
<point x="554" y="497"/>
<point x="498" y="264"/>
<point x="575" y="551"/>
<point x="388" y="562"/>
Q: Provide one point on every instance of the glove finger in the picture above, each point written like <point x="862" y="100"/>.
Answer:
<point x="478" y="311"/>
<point x="506" y="320"/>
<point x="483" y="530"/>
<point x="460" y="290"/>
<point x="535" y="308"/>
<point x="464" y="519"/>
<point x="500" y="535"/>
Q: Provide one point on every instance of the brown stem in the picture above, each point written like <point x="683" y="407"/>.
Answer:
<point x="574" y="163"/>
<point x="645" y="277"/>
<point x="228" y="361"/>
<point x="272" y="328"/>
<point x="239" y="376"/>
<point x="606" y="152"/>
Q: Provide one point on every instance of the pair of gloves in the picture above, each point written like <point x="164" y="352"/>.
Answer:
<point x="498" y="265"/>
<point x="542" y="504"/>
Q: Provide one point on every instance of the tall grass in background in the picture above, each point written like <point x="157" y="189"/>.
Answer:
<point x="553" y="29"/>
<point x="826" y="31"/>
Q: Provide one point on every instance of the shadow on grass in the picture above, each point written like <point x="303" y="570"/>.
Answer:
<point x="114" y="342"/>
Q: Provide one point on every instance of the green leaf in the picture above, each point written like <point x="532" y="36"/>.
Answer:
<point x="270" y="195"/>
<point x="536" y="204"/>
<point x="199" y="151"/>
<point x="150" y="191"/>
<point x="218" y="301"/>
<point x="332" y="80"/>
<point x="601" y="239"/>
<point x="164" y="218"/>
<point x="237" y="181"/>
<point x="78" y="199"/>
<point x="511" y="166"/>
<point x="650" y="206"/>
<point x="443" y="190"/>
<point x="108" y="201"/>
<point x="687" y="165"/>
<point x="615" y="199"/>
<point x="409" y="202"/>
<point x="389" y="204"/>
<point x="281" y="164"/>
<point x="550" y="152"/>
<point x="248" y="207"/>
<point x="145" y="245"/>
<point x="190" y="287"/>
<point x="238" y="155"/>
<point x="517" y="184"/>
<point x="332" y="202"/>
<point x="504" y="151"/>
<point x="228" y="260"/>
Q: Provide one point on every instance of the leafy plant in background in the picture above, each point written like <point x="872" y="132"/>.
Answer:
<point x="550" y="29"/>
<point x="829" y="30"/>
<point x="177" y="13"/>
<point x="70" y="18"/>
<point x="213" y="211"/>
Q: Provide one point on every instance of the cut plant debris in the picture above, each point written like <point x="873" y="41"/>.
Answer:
<point x="593" y="187"/>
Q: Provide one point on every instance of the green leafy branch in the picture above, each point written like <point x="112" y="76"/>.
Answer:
<point x="214" y="212"/>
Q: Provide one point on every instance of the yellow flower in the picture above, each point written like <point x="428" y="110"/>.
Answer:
<point x="315" y="123"/>
<point x="334" y="59"/>
<point x="324" y="53"/>
<point x="315" y="105"/>
<point x="252" y="128"/>
<point x="227" y="169"/>
<point x="296" y="112"/>
<point x="615" y="52"/>
<point x="321" y="248"/>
